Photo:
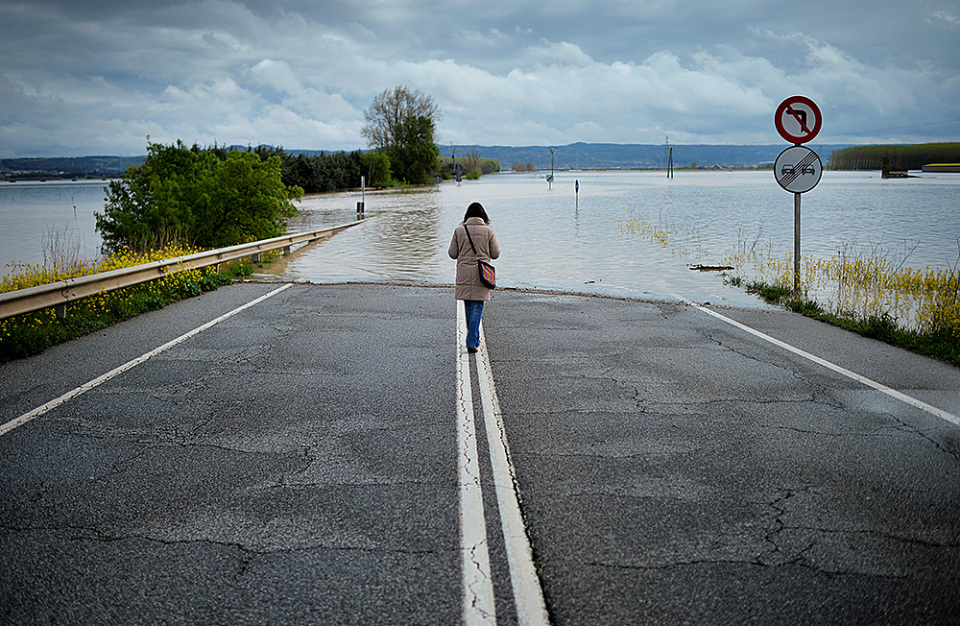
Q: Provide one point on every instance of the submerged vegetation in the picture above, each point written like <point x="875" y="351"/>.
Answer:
<point x="871" y="294"/>
<point x="663" y="236"/>
<point x="846" y="285"/>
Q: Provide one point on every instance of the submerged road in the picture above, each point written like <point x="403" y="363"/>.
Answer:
<point x="330" y="454"/>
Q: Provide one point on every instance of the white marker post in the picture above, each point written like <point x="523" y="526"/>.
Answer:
<point x="361" y="206"/>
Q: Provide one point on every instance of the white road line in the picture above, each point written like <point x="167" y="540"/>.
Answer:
<point x="40" y="410"/>
<point x="478" y="599"/>
<point x="893" y="393"/>
<point x="527" y="593"/>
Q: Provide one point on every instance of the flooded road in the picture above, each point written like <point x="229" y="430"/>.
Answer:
<point x="565" y="240"/>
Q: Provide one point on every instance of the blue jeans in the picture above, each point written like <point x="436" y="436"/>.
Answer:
<point x="474" y="310"/>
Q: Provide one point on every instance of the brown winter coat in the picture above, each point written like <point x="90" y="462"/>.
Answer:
<point x="469" y="286"/>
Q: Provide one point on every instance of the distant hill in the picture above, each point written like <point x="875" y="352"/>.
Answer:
<point x="571" y="156"/>
<point x="635" y="156"/>
<point x="66" y="167"/>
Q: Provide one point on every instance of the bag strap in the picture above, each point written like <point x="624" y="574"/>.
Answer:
<point x="470" y="239"/>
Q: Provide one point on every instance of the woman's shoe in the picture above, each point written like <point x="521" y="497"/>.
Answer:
<point x="472" y="350"/>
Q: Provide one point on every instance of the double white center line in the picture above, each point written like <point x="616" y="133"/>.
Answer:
<point x="478" y="597"/>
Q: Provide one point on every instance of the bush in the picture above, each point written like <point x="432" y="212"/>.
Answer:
<point x="192" y="196"/>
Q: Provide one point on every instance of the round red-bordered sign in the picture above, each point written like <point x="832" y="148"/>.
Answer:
<point x="798" y="119"/>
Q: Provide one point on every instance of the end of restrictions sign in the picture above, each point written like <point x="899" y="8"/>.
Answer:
<point x="798" y="169"/>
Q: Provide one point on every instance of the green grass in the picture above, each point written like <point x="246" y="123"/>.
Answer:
<point x="771" y="293"/>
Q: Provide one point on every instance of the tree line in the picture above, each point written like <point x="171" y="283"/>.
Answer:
<point x="898" y="157"/>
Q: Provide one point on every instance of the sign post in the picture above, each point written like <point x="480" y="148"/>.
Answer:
<point x="798" y="169"/>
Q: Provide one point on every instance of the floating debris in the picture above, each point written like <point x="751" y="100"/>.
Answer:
<point x="711" y="268"/>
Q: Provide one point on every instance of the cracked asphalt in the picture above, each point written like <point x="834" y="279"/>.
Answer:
<point x="296" y="463"/>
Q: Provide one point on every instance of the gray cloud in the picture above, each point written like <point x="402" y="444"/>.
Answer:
<point x="99" y="77"/>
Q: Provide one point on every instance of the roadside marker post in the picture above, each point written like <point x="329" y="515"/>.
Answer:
<point x="361" y="206"/>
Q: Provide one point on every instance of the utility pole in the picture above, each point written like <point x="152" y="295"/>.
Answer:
<point x="550" y="177"/>
<point x="669" y="158"/>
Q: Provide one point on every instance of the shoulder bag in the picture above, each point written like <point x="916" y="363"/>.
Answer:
<point x="488" y="275"/>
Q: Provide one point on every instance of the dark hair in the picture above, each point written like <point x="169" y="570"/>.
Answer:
<point x="476" y="210"/>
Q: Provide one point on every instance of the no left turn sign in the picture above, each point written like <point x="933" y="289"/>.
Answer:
<point x="798" y="119"/>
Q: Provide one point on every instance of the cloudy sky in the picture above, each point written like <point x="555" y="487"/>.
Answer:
<point x="99" y="76"/>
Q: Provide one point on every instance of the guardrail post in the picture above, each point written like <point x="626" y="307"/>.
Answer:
<point x="60" y="309"/>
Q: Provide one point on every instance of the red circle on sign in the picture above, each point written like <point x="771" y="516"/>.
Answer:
<point x="799" y="109"/>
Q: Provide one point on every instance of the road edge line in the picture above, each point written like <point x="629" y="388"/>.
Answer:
<point x="893" y="393"/>
<point x="99" y="380"/>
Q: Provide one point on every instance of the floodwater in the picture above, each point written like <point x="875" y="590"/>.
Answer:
<point x="556" y="238"/>
<point x="33" y="212"/>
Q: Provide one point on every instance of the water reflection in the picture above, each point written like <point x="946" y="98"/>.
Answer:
<point x="407" y="240"/>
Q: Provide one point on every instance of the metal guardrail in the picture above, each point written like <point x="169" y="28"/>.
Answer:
<point x="57" y="295"/>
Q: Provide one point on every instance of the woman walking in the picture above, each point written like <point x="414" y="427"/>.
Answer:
<point x="479" y="243"/>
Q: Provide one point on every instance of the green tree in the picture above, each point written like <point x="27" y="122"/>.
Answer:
<point x="390" y="109"/>
<point x="376" y="167"/>
<point x="415" y="157"/>
<point x="401" y="123"/>
<point x="899" y="156"/>
<point x="243" y="199"/>
<point x="195" y="197"/>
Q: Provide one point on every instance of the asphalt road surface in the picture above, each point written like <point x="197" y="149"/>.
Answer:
<point x="331" y="454"/>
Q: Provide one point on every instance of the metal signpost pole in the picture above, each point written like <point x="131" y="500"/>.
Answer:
<point x="796" y="242"/>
